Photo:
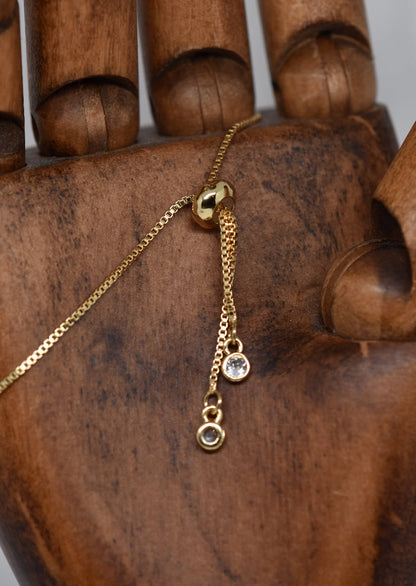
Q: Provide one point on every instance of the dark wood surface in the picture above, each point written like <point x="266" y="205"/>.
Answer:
<point x="102" y="481"/>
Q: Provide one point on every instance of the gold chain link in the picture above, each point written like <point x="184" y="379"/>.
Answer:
<point x="228" y="319"/>
<point x="238" y="127"/>
<point x="113" y="277"/>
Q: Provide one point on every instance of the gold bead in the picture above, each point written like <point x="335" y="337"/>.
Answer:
<point x="207" y="203"/>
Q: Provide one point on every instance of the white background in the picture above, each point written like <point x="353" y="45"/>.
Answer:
<point x="393" y="33"/>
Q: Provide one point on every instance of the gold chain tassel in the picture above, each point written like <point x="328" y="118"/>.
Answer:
<point x="235" y="366"/>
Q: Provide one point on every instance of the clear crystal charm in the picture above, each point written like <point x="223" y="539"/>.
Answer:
<point x="235" y="367"/>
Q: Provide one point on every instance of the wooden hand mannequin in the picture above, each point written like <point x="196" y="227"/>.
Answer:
<point x="101" y="480"/>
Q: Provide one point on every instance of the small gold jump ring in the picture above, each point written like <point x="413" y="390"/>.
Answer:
<point x="212" y="414"/>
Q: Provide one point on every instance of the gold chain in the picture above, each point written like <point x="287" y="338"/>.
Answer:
<point x="92" y="299"/>
<point x="235" y="367"/>
<point x="228" y="319"/>
<point x="212" y="413"/>
<point x="226" y="141"/>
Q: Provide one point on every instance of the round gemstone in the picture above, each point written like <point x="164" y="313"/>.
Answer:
<point x="236" y="367"/>
<point x="210" y="435"/>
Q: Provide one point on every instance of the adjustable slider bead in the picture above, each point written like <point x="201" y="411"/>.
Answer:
<point x="209" y="200"/>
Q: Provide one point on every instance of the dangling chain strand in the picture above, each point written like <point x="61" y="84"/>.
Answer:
<point x="228" y="227"/>
<point x="235" y="367"/>
<point x="210" y="435"/>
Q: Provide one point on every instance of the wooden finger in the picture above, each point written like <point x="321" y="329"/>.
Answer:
<point x="397" y="192"/>
<point x="319" y="55"/>
<point x="198" y="64"/>
<point x="83" y="74"/>
<point x="370" y="293"/>
<point x="12" y="138"/>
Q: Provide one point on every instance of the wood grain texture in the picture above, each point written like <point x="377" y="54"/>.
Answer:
<point x="319" y="55"/>
<point x="12" y="139"/>
<point x="82" y="60"/>
<point x="198" y="64"/>
<point x="101" y="480"/>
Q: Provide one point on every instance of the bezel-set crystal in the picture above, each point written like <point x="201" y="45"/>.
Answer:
<point x="210" y="436"/>
<point x="235" y="367"/>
